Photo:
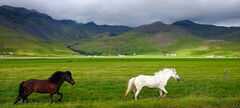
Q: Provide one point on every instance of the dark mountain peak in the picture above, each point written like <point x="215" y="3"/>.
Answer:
<point x="67" y="21"/>
<point x="14" y="12"/>
<point x="207" y="31"/>
<point x="34" y="11"/>
<point x="183" y="22"/>
<point x="91" y="24"/>
<point x="158" y="23"/>
<point x="154" y="28"/>
<point x="191" y="23"/>
<point x="16" y="9"/>
<point x="5" y="7"/>
<point x="92" y="28"/>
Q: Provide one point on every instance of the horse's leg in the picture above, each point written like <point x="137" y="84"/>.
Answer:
<point x="164" y="90"/>
<point x="25" y="95"/>
<point x="25" y="98"/>
<point x="51" y="96"/>
<point x="160" y="93"/>
<point x="137" y="92"/>
<point x="134" y="90"/>
<point x="18" y="99"/>
<point x="60" y="99"/>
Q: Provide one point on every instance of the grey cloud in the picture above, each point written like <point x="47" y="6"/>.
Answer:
<point x="137" y="12"/>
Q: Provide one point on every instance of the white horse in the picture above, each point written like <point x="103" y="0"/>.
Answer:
<point x="159" y="80"/>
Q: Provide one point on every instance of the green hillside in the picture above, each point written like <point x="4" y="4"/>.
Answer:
<point x="23" y="44"/>
<point x="184" y="47"/>
<point x="30" y="33"/>
<point x="203" y="48"/>
<point x="210" y="31"/>
<point x="157" y="39"/>
<point x="146" y="39"/>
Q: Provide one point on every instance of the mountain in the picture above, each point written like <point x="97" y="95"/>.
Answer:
<point x="93" y="29"/>
<point x="145" y="39"/>
<point x="32" y="33"/>
<point x="37" y="24"/>
<point x="210" y="31"/>
<point x="29" y="32"/>
<point x="157" y="39"/>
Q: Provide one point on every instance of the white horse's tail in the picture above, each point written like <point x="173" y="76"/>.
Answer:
<point x="130" y="86"/>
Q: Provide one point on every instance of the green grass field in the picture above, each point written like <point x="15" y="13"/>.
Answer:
<point x="101" y="82"/>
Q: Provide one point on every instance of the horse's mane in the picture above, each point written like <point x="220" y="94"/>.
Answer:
<point x="55" y="78"/>
<point x="164" y="70"/>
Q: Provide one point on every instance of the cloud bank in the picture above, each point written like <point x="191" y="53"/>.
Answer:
<point x="137" y="12"/>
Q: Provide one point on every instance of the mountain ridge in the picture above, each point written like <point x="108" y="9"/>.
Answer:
<point x="29" y="32"/>
<point x="20" y="25"/>
<point x="210" y="31"/>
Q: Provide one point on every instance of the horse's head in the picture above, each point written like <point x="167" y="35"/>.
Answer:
<point x="68" y="77"/>
<point x="175" y="75"/>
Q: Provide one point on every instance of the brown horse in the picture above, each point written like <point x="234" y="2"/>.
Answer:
<point x="52" y="86"/>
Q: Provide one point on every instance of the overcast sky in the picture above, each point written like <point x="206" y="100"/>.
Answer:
<point x="137" y="12"/>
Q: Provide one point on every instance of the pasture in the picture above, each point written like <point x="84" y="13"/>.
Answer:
<point x="102" y="82"/>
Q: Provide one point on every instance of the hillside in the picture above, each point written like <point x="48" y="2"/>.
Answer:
<point x="157" y="39"/>
<point x="29" y="32"/>
<point x="37" y="24"/>
<point x="24" y="44"/>
<point x="92" y="29"/>
<point x="210" y="31"/>
<point x="142" y="40"/>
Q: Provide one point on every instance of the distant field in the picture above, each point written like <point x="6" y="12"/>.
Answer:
<point x="101" y="82"/>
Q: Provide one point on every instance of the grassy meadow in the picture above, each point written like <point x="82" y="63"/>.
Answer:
<point x="101" y="82"/>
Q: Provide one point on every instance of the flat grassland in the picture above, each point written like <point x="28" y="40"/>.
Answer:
<point x="102" y="82"/>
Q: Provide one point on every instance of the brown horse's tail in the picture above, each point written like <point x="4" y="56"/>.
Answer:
<point x="20" y="92"/>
